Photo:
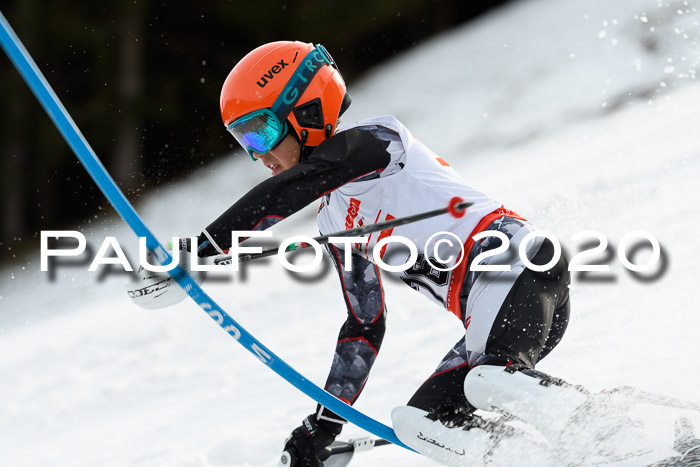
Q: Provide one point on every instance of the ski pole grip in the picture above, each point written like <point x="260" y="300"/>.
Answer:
<point x="454" y="208"/>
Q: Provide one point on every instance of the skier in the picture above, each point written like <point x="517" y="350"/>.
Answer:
<point x="282" y="103"/>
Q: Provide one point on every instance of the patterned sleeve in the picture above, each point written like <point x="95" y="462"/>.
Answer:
<point x="363" y="331"/>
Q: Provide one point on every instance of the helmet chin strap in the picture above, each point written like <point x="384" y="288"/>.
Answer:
<point x="304" y="150"/>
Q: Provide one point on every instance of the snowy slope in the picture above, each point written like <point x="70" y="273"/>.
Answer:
<point x="578" y="115"/>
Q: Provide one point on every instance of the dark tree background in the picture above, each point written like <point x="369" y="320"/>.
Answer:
<point x="141" y="78"/>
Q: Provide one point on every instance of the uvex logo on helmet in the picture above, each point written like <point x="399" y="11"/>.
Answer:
<point x="262" y="82"/>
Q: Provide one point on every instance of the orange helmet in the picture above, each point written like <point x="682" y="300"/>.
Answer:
<point x="281" y="85"/>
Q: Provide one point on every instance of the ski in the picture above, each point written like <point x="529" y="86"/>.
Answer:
<point x="455" y="208"/>
<point x="473" y="441"/>
<point x="341" y="452"/>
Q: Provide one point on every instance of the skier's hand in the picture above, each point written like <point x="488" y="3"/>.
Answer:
<point x="309" y="441"/>
<point x="155" y="290"/>
<point x="202" y="244"/>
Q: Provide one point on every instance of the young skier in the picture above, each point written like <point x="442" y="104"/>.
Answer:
<point x="282" y="103"/>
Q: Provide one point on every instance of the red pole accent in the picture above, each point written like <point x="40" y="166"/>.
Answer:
<point x="452" y="207"/>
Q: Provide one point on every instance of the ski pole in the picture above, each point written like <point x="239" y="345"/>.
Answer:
<point x="288" y="459"/>
<point x="455" y="208"/>
<point x="364" y="444"/>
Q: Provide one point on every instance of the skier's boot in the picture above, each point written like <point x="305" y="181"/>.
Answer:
<point x="452" y="434"/>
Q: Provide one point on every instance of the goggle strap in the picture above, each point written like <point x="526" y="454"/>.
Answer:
<point x="300" y="80"/>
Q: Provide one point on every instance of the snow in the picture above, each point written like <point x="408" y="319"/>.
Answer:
<point x="578" y="115"/>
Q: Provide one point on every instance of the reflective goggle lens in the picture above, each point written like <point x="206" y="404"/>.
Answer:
<point x="258" y="132"/>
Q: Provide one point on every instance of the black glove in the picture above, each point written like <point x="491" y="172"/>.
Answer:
<point x="308" y="442"/>
<point x="203" y="250"/>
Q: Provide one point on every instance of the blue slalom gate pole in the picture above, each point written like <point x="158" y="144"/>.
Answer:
<point x="75" y="139"/>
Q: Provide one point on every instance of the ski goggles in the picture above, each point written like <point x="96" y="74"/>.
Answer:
<point x="262" y="130"/>
<point x="258" y="131"/>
